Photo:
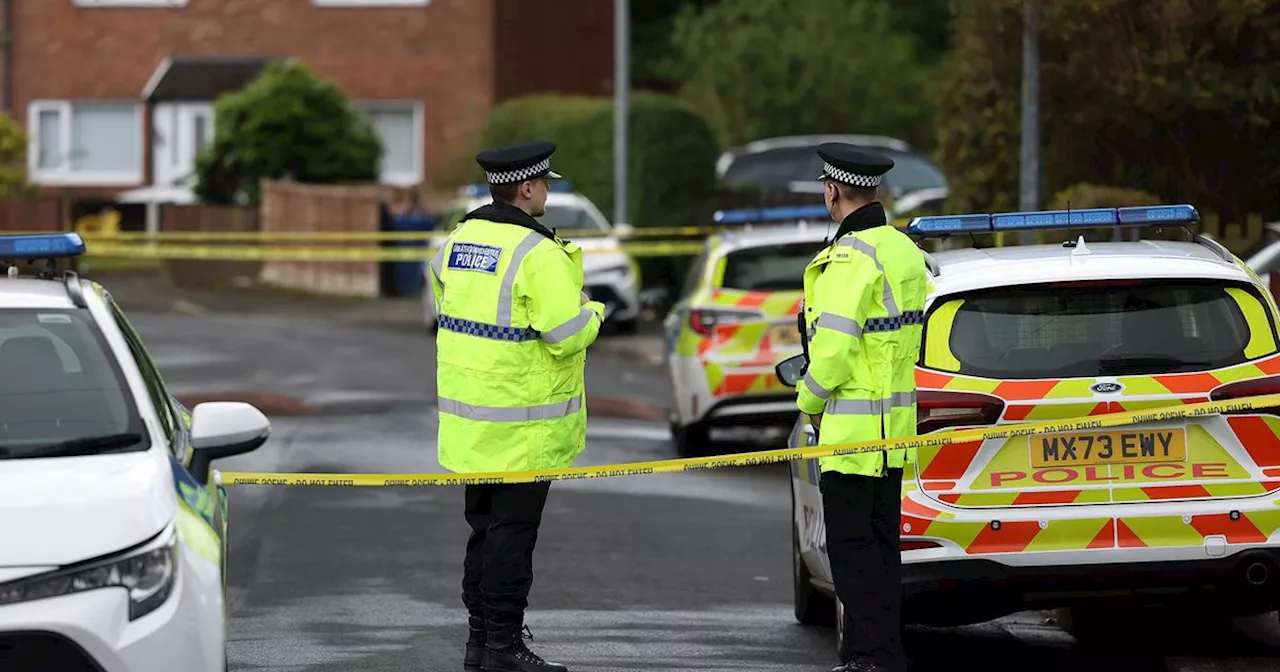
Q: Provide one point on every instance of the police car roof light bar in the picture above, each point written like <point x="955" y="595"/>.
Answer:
<point x="41" y="246"/>
<point x="778" y="214"/>
<point x="1154" y="216"/>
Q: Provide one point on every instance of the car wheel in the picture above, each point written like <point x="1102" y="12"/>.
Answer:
<point x="627" y="326"/>
<point x="691" y="440"/>
<point x="812" y="607"/>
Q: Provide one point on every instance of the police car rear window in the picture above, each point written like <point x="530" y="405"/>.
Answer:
<point x="776" y="267"/>
<point x="59" y="384"/>
<point x="1104" y="328"/>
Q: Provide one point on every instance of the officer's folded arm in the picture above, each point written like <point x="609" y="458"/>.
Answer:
<point x="838" y="334"/>
<point x="555" y="300"/>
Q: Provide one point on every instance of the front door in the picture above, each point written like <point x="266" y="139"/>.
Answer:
<point x="180" y="131"/>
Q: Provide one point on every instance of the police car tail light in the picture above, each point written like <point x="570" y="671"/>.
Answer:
<point x="705" y="321"/>
<point x="149" y="574"/>
<point x="936" y="409"/>
<point x="1248" y="388"/>
<point x="916" y="545"/>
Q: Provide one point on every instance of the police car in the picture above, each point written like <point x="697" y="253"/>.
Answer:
<point x="1181" y="513"/>
<point x="610" y="275"/>
<point x="114" y="524"/>
<point x="735" y="318"/>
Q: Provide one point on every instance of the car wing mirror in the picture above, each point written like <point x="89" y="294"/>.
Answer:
<point x="222" y="429"/>
<point x="791" y="369"/>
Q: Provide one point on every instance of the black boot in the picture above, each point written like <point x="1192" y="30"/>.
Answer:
<point x="475" y="644"/>
<point x="505" y="651"/>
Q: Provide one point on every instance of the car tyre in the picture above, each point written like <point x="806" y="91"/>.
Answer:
<point x="811" y="605"/>
<point x="691" y="439"/>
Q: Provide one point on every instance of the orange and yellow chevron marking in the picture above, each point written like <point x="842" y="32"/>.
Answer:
<point x="1260" y="436"/>
<point x="1090" y="533"/>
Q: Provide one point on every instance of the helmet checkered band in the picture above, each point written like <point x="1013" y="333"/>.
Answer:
<point x="851" y="178"/>
<point x="521" y="174"/>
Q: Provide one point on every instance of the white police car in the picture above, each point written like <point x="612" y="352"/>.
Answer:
<point x="114" y="525"/>
<point x="1178" y="514"/>
<point x="610" y="275"/>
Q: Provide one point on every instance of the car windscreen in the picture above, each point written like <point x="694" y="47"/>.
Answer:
<point x="769" y="268"/>
<point x="569" y="218"/>
<point x="911" y="172"/>
<point x="1084" y="329"/>
<point x="61" y="392"/>
<point x="774" y="168"/>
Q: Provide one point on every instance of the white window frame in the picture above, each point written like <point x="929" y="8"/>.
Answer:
<point x="414" y="176"/>
<point x="64" y="175"/>
<point x="159" y="4"/>
<point x="370" y="3"/>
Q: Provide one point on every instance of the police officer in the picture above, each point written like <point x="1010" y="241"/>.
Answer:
<point x="863" y="312"/>
<point x="514" y="326"/>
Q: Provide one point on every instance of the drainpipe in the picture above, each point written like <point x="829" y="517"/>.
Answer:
<point x="8" y="56"/>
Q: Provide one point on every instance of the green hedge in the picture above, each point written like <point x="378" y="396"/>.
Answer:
<point x="672" y="158"/>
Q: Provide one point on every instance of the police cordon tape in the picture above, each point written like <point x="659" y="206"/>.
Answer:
<point x="757" y="458"/>
<point x="398" y="236"/>
<point x="335" y="254"/>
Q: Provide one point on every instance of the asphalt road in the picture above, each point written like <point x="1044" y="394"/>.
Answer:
<point x="667" y="572"/>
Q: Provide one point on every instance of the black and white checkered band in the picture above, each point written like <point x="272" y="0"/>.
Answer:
<point x="521" y="174"/>
<point x="851" y="178"/>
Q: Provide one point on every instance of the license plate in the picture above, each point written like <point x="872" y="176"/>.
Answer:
<point x="1118" y="447"/>
<point x="784" y="335"/>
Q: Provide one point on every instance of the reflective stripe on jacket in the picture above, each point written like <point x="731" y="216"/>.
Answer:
<point x="864" y="300"/>
<point x="511" y="345"/>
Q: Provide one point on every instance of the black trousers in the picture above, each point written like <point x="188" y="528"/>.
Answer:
<point x="498" y="569"/>
<point x="863" y="516"/>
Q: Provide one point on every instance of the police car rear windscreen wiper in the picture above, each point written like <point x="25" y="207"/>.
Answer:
<point x="1119" y="363"/>
<point x="87" y="445"/>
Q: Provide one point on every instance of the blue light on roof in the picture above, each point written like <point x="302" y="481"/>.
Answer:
<point x="1151" y="216"/>
<point x="41" y="246"/>
<point x="1158" y="214"/>
<point x="945" y="224"/>
<point x="1053" y="219"/>
<point x="779" y="214"/>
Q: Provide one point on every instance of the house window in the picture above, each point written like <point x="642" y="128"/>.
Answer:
<point x="399" y="126"/>
<point x="131" y="3"/>
<point x="370" y="3"/>
<point x="85" y="143"/>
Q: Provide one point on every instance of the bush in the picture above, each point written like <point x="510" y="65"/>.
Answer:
<point x="1082" y="196"/>
<point x="672" y="158"/>
<point x="763" y="68"/>
<point x="13" y="159"/>
<point x="286" y="123"/>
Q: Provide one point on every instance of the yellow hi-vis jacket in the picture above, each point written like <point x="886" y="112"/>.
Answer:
<point x="864" y="299"/>
<point x="511" y="344"/>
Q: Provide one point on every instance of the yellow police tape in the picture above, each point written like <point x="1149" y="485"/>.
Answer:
<point x="760" y="457"/>
<point x="391" y="236"/>
<point x="334" y="254"/>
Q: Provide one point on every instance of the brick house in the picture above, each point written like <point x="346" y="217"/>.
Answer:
<point x="118" y="94"/>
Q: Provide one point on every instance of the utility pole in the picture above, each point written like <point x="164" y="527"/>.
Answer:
<point x="621" y="105"/>
<point x="1029" y="164"/>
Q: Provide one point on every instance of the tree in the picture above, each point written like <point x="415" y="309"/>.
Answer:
<point x="760" y="68"/>
<point x="1176" y="98"/>
<point x="13" y="159"/>
<point x="285" y="123"/>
